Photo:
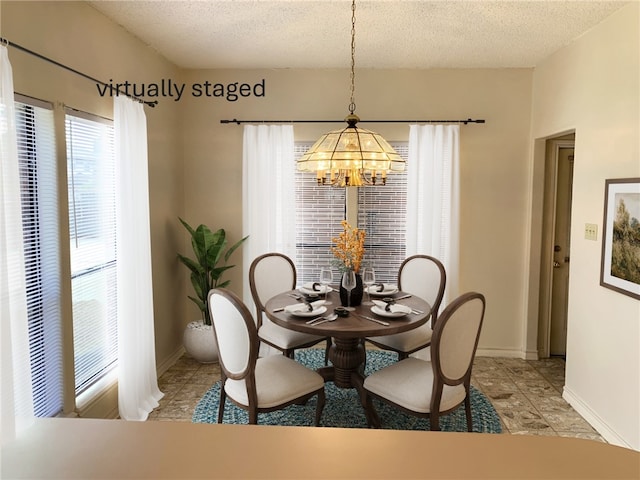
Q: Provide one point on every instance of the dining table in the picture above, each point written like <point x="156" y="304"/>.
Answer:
<point x="347" y="353"/>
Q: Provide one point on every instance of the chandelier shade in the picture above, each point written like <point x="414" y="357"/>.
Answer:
<point x="352" y="156"/>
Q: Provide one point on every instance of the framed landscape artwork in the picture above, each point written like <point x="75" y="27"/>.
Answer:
<point x="620" y="269"/>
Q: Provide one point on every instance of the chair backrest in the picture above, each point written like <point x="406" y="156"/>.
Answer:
<point x="269" y="275"/>
<point x="424" y="276"/>
<point x="455" y="338"/>
<point x="235" y="333"/>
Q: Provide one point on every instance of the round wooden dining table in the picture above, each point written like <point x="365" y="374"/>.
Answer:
<point x="347" y="353"/>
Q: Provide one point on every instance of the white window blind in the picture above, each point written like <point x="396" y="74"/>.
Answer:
<point x="382" y="213"/>
<point x="320" y="209"/>
<point x="39" y="201"/>
<point x="91" y="183"/>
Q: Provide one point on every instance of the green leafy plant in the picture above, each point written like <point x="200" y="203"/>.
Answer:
<point x="209" y="264"/>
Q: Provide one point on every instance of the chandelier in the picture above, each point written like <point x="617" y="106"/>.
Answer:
<point x="352" y="156"/>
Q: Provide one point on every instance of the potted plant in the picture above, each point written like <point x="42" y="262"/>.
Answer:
<point x="207" y="267"/>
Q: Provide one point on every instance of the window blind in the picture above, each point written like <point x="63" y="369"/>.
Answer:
<point x="91" y="186"/>
<point x="39" y="202"/>
<point x="382" y="213"/>
<point x="319" y="210"/>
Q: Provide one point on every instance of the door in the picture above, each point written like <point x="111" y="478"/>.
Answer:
<point x="561" y="253"/>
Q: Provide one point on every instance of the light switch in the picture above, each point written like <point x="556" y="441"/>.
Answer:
<point x="590" y="231"/>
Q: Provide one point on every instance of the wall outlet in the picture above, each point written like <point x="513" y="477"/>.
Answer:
<point x="590" y="231"/>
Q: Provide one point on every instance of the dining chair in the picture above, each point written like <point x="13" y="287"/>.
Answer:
<point x="423" y="276"/>
<point x="433" y="388"/>
<point x="269" y="275"/>
<point x="256" y="384"/>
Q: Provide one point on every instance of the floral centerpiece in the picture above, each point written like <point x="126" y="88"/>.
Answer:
<point x="348" y="250"/>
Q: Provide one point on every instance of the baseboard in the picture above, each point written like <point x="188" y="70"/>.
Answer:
<point x="594" y="419"/>
<point x="170" y="361"/>
<point x="501" y="352"/>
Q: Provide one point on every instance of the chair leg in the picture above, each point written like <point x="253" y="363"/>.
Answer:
<point x="467" y="407"/>
<point x="363" y="367"/>
<point x="320" y="406"/>
<point x="402" y="355"/>
<point x="289" y="353"/>
<point x="223" y="398"/>
<point x="326" y="351"/>
<point x="367" y="405"/>
<point x="253" y="416"/>
<point x="434" y="421"/>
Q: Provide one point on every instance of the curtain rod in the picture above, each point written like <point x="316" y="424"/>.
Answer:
<point x="4" y="41"/>
<point x="238" y="122"/>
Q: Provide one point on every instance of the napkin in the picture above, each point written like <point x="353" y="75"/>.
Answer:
<point x="395" y="308"/>
<point x="308" y="288"/>
<point x="303" y="307"/>
<point x="387" y="287"/>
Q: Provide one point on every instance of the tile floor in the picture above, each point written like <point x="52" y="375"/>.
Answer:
<point x="526" y="394"/>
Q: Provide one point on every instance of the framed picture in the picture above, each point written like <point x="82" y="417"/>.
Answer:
<point x="620" y="269"/>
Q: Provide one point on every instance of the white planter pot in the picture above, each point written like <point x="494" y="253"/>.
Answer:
<point x="200" y="343"/>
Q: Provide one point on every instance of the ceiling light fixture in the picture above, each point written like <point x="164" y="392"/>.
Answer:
<point x="352" y="156"/>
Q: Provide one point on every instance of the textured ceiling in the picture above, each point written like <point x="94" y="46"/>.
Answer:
<point x="389" y="33"/>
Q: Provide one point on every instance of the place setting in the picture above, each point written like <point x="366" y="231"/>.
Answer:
<point x="317" y="288"/>
<point x="321" y="288"/>
<point x="381" y="289"/>
<point x="389" y="308"/>
<point x="306" y="309"/>
<point x="312" y="299"/>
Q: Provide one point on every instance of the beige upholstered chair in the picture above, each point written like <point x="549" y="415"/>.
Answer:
<point x="269" y="275"/>
<point x="433" y="388"/>
<point x="424" y="277"/>
<point x="256" y="384"/>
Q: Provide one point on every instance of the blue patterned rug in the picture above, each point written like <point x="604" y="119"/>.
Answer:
<point x="343" y="408"/>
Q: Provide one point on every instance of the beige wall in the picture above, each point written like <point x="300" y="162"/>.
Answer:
<point x="592" y="86"/>
<point x="75" y="34"/>
<point x="494" y="159"/>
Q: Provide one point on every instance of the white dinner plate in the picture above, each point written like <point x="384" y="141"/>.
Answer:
<point x="307" y="288"/>
<point x="305" y="313"/>
<point x="398" y="311"/>
<point x="388" y="290"/>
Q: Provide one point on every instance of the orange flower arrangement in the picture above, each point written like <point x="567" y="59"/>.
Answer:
<point x="349" y="247"/>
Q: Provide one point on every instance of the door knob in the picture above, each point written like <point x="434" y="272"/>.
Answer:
<point x="556" y="264"/>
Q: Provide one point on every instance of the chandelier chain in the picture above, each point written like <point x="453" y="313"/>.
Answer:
<point x="352" y="104"/>
<point x="351" y="157"/>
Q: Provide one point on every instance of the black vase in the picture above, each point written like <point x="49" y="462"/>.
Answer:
<point x="356" y="293"/>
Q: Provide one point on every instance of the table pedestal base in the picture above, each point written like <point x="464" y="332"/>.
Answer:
<point x="348" y="356"/>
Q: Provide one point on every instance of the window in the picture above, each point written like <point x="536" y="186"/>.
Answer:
<point x="91" y="185"/>
<point x="39" y="201"/>
<point x="319" y="210"/>
<point x="381" y="212"/>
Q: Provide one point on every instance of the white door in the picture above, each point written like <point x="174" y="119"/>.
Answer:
<point x="561" y="254"/>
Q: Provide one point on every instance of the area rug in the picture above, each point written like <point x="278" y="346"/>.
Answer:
<point x="343" y="408"/>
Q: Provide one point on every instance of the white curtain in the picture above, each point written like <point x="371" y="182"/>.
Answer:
<point x="268" y="194"/>
<point x="433" y="193"/>
<point x="15" y="380"/>
<point x="138" y="392"/>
